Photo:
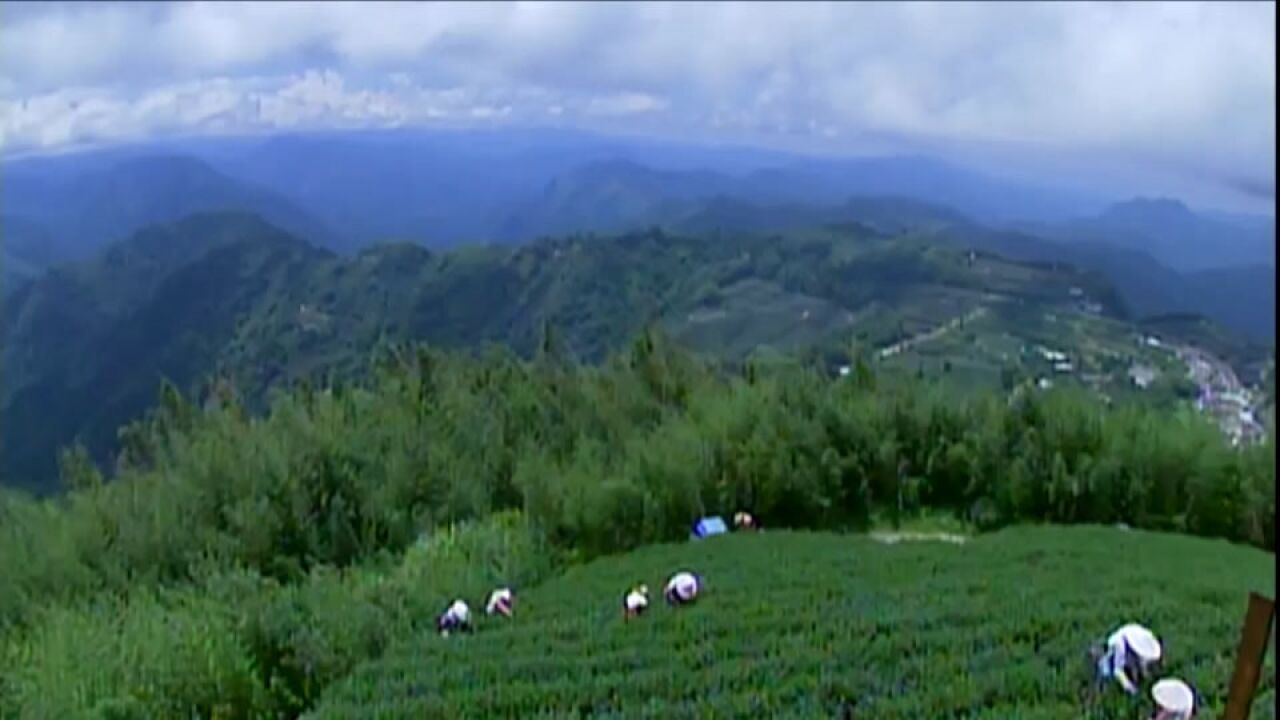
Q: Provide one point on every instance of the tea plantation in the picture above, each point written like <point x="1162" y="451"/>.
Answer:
<point x="807" y="625"/>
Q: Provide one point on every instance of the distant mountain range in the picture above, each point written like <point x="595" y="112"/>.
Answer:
<point x="1165" y="228"/>
<point x="343" y="191"/>
<point x="610" y="197"/>
<point x="50" y="213"/>
<point x="443" y="188"/>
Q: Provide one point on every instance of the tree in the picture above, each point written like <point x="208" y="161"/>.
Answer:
<point x="76" y="469"/>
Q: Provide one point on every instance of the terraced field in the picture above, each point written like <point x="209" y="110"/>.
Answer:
<point x="808" y="625"/>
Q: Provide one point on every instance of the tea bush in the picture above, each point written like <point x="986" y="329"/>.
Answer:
<point x="804" y="625"/>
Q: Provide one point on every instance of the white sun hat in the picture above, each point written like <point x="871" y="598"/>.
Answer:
<point x="461" y="611"/>
<point x="1143" y="642"/>
<point x="1174" y="695"/>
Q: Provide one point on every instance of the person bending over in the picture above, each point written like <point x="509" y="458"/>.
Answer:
<point x="635" y="602"/>
<point x="456" y="619"/>
<point x="1127" y="656"/>
<point x="682" y="589"/>
<point x="501" y="602"/>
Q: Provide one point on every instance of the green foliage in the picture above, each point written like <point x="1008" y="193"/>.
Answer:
<point x="76" y="469"/>
<point x="240" y="645"/>
<point x="807" y="625"/>
<point x="266" y="556"/>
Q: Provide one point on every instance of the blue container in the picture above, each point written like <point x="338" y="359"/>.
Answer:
<point x="708" y="526"/>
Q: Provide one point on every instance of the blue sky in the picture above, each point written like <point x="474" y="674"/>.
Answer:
<point x="1179" y="95"/>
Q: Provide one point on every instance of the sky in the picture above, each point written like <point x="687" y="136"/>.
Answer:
<point x="1177" y="95"/>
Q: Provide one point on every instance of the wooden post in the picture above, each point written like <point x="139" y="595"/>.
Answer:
<point x="1249" y="658"/>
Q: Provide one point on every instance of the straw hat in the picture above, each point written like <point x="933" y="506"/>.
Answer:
<point x="1174" y="695"/>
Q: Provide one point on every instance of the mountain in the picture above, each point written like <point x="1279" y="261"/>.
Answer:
<point x="1171" y="232"/>
<point x="446" y="187"/>
<point x="612" y="196"/>
<point x="25" y="250"/>
<point x="986" y="198"/>
<point x="80" y="205"/>
<point x="615" y="195"/>
<point x="620" y="196"/>
<point x="85" y="346"/>
<point x="439" y="188"/>
<point x="1241" y="298"/>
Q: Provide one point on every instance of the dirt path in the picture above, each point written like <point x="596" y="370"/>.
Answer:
<point x="933" y="334"/>
<point x="892" y="538"/>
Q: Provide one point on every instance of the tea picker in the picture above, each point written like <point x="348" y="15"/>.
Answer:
<point x="635" y="602"/>
<point x="456" y="619"/>
<point x="1174" y="700"/>
<point x="1127" y="656"/>
<point x="501" y="602"/>
<point x="682" y="588"/>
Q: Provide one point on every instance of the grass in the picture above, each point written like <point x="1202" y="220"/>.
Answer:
<point x="809" y="625"/>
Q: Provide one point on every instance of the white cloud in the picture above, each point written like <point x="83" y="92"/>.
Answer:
<point x="625" y="104"/>
<point x="1191" y="84"/>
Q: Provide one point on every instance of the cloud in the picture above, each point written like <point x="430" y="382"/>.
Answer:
<point x="625" y="104"/>
<point x="1261" y="189"/>
<point x="1189" y="84"/>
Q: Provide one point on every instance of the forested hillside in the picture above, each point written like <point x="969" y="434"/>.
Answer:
<point x="55" y="212"/>
<point x="229" y="298"/>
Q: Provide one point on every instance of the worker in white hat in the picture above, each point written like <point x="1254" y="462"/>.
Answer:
<point x="501" y="602"/>
<point x="455" y="619"/>
<point x="1174" y="699"/>
<point x="682" y="588"/>
<point x="742" y="520"/>
<point x="635" y="602"/>
<point x="1128" y="655"/>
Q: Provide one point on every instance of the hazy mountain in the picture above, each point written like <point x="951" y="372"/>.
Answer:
<point x="1171" y="232"/>
<point x="439" y="188"/>
<point x="617" y="196"/>
<point x="78" y="205"/>
<point x="26" y="250"/>
<point x="1241" y="298"/>
<point x="983" y="197"/>
<point x="442" y="188"/>
<point x="85" y="345"/>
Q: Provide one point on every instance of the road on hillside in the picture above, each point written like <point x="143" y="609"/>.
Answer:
<point x="934" y="334"/>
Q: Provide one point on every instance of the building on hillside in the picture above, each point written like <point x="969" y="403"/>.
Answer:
<point x="1053" y="356"/>
<point x="1142" y="375"/>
